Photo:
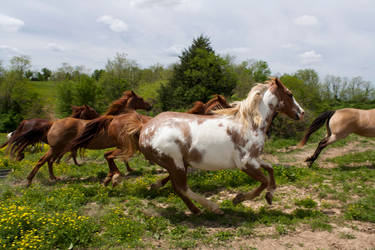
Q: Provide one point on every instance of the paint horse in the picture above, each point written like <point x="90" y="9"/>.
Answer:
<point x="110" y="131"/>
<point x="17" y="141"/>
<point x="63" y="131"/>
<point x="340" y="124"/>
<point x="231" y="139"/>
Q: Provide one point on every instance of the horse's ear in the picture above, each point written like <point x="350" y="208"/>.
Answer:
<point x="278" y="82"/>
<point x="133" y="93"/>
<point x="86" y="106"/>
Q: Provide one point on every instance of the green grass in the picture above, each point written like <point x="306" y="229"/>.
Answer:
<point x="132" y="216"/>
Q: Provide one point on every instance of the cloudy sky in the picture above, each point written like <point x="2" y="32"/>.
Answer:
<point x="332" y="36"/>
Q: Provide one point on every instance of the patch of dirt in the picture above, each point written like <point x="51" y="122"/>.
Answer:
<point x="339" y="238"/>
<point x="299" y="157"/>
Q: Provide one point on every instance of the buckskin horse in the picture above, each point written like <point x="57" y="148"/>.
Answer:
<point x="340" y="124"/>
<point x="110" y="131"/>
<point x="231" y="139"/>
<point x="17" y="141"/>
<point x="63" y="131"/>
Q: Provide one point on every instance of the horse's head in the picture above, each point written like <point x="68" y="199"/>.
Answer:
<point x="136" y="102"/>
<point x="84" y="112"/>
<point x="287" y="104"/>
<point x="88" y="113"/>
<point x="218" y="102"/>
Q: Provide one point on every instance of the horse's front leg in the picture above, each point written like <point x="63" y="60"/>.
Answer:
<point x="252" y="169"/>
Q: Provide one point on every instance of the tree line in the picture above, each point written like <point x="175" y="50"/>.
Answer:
<point x="199" y="74"/>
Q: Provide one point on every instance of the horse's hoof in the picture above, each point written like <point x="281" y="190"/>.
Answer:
<point x="217" y="211"/>
<point x="28" y="184"/>
<point x="54" y="178"/>
<point x="107" y="180"/>
<point x="269" y="198"/>
<point x="116" y="179"/>
<point x="238" y="199"/>
<point x="155" y="186"/>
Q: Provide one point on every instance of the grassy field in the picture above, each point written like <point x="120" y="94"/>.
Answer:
<point x="331" y="205"/>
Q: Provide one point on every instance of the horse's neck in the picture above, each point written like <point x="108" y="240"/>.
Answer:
<point x="267" y="109"/>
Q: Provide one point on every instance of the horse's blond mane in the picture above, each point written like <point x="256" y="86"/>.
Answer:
<point x="248" y="109"/>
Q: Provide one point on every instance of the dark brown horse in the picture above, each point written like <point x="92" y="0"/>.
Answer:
<point x="17" y="142"/>
<point x="231" y="139"/>
<point x="111" y="131"/>
<point x="63" y="131"/>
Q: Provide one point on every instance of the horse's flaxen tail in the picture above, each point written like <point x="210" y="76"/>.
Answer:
<point x="19" y="141"/>
<point x="315" y="125"/>
<point x="132" y="128"/>
<point x="91" y="131"/>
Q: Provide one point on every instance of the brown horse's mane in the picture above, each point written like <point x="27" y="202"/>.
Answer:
<point x="116" y="106"/>
<point x="218" y="102"/>
<point x="198" y="108"/>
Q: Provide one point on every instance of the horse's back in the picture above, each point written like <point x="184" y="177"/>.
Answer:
<point x="351" y="120"/>
<point x="64" y="130"/>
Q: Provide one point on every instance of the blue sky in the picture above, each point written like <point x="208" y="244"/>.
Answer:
<point x="332" y="36"/>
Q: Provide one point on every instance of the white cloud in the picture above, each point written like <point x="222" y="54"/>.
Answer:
<point x="310" y="57"/>
<point x="306" y="20"/>
<point x="174" y="50"/>
<point x="55" y="47"/>
<point x="9" y="49"/>
<point x="288" y="46"/>
<point x="155" y="3"/>
<point x="238" y="50"/>
<point x="10" y="24"/>
<point x="115" y="24"/>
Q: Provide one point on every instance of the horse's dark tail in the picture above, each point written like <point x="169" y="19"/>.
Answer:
<point x="315" y="125"/>
<point x="91" y="131"/>
<point x="19" y="141"/>
<point x="5" y="143"/>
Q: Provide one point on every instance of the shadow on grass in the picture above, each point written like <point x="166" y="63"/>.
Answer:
<point x="236" y="217"/>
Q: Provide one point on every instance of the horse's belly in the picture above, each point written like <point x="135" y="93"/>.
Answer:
<point x="215" y="154"/>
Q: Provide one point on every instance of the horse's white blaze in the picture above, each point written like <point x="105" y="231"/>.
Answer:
<point x="300" y="109"/>
<point x="10" y="135"/>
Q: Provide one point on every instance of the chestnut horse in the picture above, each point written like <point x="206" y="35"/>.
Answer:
<point x="17" y="142"/>
<point x="340" y="124"/>
<point x="63" y="131"/>
<point x="217" y="102"/>
<point x="114" y="130"/>
<point x="230" y="139"/>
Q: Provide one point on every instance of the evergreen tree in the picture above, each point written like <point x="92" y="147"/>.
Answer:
<point x="200" y="74"/>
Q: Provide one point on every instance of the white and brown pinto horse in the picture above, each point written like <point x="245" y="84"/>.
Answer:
<point x="340" y="124"/>
<point x="231" y="139"/>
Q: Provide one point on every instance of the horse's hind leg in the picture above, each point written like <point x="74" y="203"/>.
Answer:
<point x="322" y="144"/>
<point x="52" y="176"/>
<point x="114" y="173"/>
<point x="128" y="167"/>
<point x="160" y="183"/>
<point x="272" y="183"/>
<point x="74" y="156"/>
<point x="178" y="178"/>
<point x="39" y="164"/>
<point x="255" y="172"/>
